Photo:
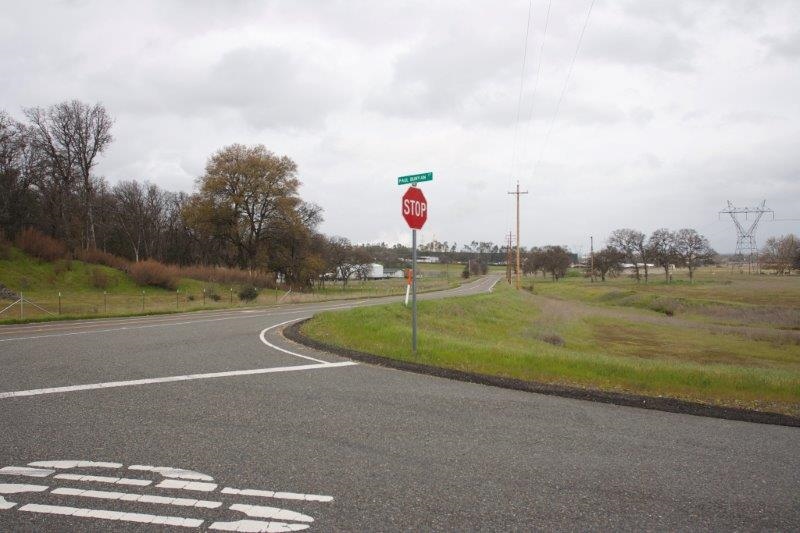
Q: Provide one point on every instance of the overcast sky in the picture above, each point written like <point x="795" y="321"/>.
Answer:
<point x="672" y="107"/>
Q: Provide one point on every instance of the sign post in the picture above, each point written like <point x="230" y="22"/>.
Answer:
<point x="415" y="212"/>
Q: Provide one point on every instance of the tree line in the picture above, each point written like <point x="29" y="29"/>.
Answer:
<point x="245" y="212"/>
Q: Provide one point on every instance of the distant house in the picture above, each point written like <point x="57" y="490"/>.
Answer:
<point x="427" y="259"/>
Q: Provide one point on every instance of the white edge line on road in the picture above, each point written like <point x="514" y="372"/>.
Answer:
<point x="263" y="337"/>
<point x="169" y="379"/>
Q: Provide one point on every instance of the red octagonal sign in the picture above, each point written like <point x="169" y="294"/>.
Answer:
<point x="415" y="208"/>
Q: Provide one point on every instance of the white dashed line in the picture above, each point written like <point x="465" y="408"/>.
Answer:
<point x="168" y="471"/>
<point x="278" y="495"/>
<point x="187" y="485"/>
<point x="256" y="526"/>
<point x="259" y="511"/>
<point x="141" y="498"/>
<point x="105" y="479"/>
<point x="111" y="515"/>
<point x="74" y="464"/>
<point x="25" y="471"/>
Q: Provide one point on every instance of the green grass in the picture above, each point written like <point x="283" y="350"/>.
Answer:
<point x="507" y="334"/>
<point x="718" y="296"/>
<point x="41" y="282"/>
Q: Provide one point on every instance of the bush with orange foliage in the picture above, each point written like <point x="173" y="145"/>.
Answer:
<point x="99" y="257"/>
<point x="34" y="242"/>
<point x="226" y="276"/>
<point x="149" y="272"/>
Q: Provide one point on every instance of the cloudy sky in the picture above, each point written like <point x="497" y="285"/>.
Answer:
<point x="669" y="109"/>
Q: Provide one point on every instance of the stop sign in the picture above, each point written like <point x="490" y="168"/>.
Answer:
<point x="415" y="208"/>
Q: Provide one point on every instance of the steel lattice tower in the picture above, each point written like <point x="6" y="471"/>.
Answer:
<point x="746" y="247"/>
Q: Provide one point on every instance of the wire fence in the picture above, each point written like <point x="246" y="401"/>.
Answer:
<point x="34" y="305"/>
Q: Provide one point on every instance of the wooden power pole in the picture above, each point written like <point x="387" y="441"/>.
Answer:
<point x="517" y="193"/>
<point x="591" y="248"/>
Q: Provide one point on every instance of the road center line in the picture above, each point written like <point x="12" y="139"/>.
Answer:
<point x="169" y="379"/>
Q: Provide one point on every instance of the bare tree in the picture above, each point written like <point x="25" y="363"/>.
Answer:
<point x="607" y="262"/>
<point x="662" y="249"/>
<point x="781" y="253"/>
<point x="692" y="249"/>
<point x="71" y="135"/>
<point x="630" y="243"/>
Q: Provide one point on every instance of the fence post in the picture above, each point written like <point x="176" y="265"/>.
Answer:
<point x="59" y="302"/>
<point x="204" y="296"/>
<point x="177" y="305"/>
<point x="142" y="301"/>
<point x="231" y="295"/>
<point x="21" y="306"/>
<point x="105" y="303"/>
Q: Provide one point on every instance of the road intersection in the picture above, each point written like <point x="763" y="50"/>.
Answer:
<point x="120" y="423"/>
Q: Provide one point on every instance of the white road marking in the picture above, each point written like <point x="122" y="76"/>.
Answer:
<point x="16" y="488"/>
<point x="278" y="495"/>
<point x="74" y="464"/>
<point x="168" y="379"/>
<point x="187" y="485"/>
<point x="263" y="338"/>
<point x="141" y="498"/>
<point x="5" y="504"/>
<point x="257" y="526"/>
<point x="178" y="473"/>
<point x="25" y="471"/>
<point x="111" y="515"/>
<point x="105" y="479"/>
<point x="259" y="511"/>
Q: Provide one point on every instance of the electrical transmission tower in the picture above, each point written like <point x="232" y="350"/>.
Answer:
<point x="746" y="247"/>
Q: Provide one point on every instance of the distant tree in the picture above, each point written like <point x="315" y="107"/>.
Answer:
<point x="362" y="263"/>
<point x="692" y="249"/>
<point x="18" y="174"/>
<point x="534" y="262"/>
<point x="608" y="261"/>
<point x="247" y="195"/>
<point x="781" y="254"/>
<point x="556" y="261"/>
<point x="70" y="136"/>
<point x="662" y="249"/>
<point x="630" y="243"/>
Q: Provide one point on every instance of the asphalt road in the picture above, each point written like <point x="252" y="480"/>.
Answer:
<point x="251" y="431"/>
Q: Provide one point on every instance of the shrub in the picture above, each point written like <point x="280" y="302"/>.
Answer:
<point x="98" y="278"/>
<point x="153" y="273"/>
<point x="35" y="243"/>
<point x="61" y="266"/>
<point x="226" y="276"/>
<point x="248" y="293"/>
<point x="99" y="257"/>
<point x="213" y="295"/>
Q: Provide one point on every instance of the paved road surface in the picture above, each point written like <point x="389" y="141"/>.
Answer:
<point x="251" y="432"/>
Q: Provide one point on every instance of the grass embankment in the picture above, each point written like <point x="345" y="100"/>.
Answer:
<point x="507" y="334"/>
<point x="718" y="296"/>
<point x="91" y="290"/>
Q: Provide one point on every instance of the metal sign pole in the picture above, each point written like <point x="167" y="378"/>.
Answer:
<point x="414" y="291"/>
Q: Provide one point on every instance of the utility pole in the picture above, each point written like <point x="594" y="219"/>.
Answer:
<point x="509" y="258"/>
<point x="591" y="252"/>
<point x="517" y="193"/>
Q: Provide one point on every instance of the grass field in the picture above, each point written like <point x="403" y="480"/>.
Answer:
<point x="726" y="340"/>
<point x="41" y="282"/>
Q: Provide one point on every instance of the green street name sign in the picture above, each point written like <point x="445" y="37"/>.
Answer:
<point x="415" y="178"/>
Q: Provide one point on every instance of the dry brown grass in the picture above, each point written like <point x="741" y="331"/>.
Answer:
<point x="153" y="273"/>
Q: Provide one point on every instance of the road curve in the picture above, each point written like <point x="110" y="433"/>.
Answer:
<point x="330" y="445"/>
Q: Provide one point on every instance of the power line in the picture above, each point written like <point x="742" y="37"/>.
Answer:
<point x="538" y="70"/>
<point x="564" y="88"/>
<point x="515" y="145"/>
